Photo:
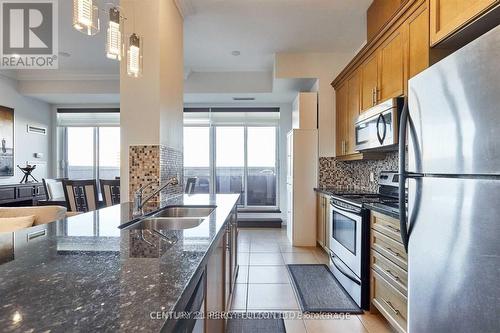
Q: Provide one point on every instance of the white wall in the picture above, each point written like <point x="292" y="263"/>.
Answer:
<point x="324" y="67"/>
<point x="27" y="111"/>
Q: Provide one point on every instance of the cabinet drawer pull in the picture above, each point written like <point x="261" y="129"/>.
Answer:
<point x="394" y="276"/>
<point x="36" y="234"/>
<point x="389" y="304"/>
<point x="393" y="228"/>
<point x="392" y="251"/>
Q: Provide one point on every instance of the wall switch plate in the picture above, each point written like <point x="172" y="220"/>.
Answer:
<point x="372" y="177"/>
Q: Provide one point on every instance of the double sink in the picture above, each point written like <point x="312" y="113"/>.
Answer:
<point x="174" y="218"/>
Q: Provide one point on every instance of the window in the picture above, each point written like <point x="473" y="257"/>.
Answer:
<point x="234" y="152"/>
<point x="261" y="178"/>
<point x="90" y="152"/>
<point x="197" y="157"/>
<point x="80" y="152"/>
<point x="230" y="160"/>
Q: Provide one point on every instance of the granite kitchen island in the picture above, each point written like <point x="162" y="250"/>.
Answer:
<point x="86" y="274"/>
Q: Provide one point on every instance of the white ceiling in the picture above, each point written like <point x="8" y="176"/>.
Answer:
<point x="212" y="30"/>
<point x="260" y="28"/>
<point x="87" y="53"/>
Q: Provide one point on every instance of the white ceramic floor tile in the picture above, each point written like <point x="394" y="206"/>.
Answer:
<point x="242" y="274"/>
<point x="240" y="297"/>
<point x="268" y="274"/>
<point x="243" y="258"/>
<point x="271" y="297"/>
<point x="299" y="258"/>
<point x="266" y="259"/>
<point x="351" y="325"/>
<point x="295" y="326"/>
<point x="265" y="247"/>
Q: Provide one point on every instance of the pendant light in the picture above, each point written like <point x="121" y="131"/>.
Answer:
<point x="86" y="17"/>
<point x="114" y="35"/>
<point x="134" y="56"/>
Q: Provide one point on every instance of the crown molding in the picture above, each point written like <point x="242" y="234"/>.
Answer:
<point x="65" y="76"/>
<point x="185" y="7"/>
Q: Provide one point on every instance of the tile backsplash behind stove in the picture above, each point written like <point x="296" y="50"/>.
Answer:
<point x="354" y="174"/>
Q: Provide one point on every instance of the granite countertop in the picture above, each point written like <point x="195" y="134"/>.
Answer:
<point x="342" y="190"/>
<point x="382" y="209"/>
<point x="85" y="274"/>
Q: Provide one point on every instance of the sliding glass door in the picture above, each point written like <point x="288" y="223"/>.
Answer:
<point x="230" y="160"/>
<point x="261" y="166"/>
<point x="109" y="152"/>
<point x="197" y="157"/>
<point x="80" y="152"/>
<point x="234" y="159"/>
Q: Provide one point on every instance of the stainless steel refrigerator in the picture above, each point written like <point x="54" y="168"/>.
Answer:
<point x="452" y="122"/>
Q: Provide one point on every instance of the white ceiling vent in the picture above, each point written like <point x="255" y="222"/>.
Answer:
<point x="243" y="98"/>
<point x="37" y="129"/>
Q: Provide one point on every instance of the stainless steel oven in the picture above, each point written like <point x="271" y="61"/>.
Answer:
<point x="349" y="248"/>
<point x="377" y="128"/>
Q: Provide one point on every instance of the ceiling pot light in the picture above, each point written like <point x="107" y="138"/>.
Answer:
<point x="114" y="35"/>
<point x="134" y="56"/>
<point x="86" y="17"/>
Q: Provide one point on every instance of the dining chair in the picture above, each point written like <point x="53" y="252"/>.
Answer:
<point x="190" y="185"/>
<point x="81" y="195"/>
<point x="110" y="189"/>
<point x="53" y="188"/>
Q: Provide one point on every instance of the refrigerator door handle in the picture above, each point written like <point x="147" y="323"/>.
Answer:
<point x="403" y="174"/>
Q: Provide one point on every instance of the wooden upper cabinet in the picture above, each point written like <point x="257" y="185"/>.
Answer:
<point x="391" y="67"/>
<point x="448" y="16"/>
<point x="341" y="118"/>
<point x="353" y="109"/>
<point x="378" y="14"/>
<point x="417" y="32"/>
<point x="369" y="81"/>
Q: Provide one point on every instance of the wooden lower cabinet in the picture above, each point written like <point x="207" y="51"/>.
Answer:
<point x="214" y="299"/>
<point x="389" y="271"/>
<point x="448" y="16"/>
<point x="323" y="220"/>
<point x="221" y="271"/>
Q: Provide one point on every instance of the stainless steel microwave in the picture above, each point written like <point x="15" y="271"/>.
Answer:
<point x="377" y="128"/>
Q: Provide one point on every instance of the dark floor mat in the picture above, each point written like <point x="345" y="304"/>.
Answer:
<point x="319" y="291"/>
<point x="255" y="322"/>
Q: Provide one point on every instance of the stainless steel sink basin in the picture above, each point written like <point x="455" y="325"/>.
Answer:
<point x="167" y="223"/>
<point x="185" y="211"/>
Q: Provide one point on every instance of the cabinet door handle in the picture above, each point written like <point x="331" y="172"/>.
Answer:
<point x="393" y="228"/>
<point x="389" y="304"/>
<point x="394" y="276"/>
<point x="392" y="251"/>
<point x="373" y="96"/>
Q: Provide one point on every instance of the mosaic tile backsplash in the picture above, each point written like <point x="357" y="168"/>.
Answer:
<point x="148" y="163"/>
<point x="354" y="174"/>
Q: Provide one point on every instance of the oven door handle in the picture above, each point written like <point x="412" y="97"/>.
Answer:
<point x="341" y="270"/>
<point x="347" y="210"/>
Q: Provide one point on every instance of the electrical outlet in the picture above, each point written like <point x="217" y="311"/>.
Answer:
<point x="372" y="177"/>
